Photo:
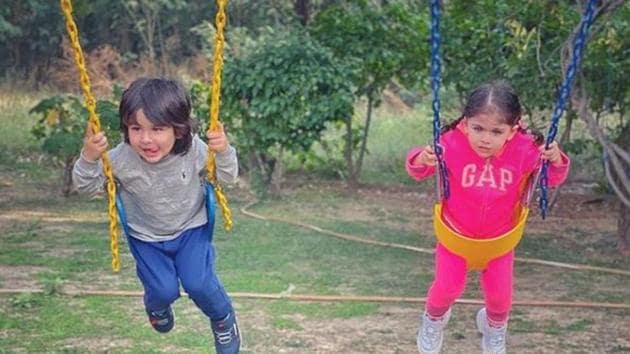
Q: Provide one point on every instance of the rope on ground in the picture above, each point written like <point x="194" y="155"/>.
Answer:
<point x="423" y="250"/>
<point x="331" y="298"/>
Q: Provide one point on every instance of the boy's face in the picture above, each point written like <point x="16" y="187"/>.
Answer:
<point x="151" y="142"/>
<point x="487" y="133"/>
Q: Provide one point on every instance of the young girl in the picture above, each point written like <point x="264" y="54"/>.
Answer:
<point x="489" y="158"/>
<point x="159" y="170"/>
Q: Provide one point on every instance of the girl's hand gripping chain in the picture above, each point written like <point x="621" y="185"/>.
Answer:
<point x="426" y="158"/>
<point x="552" y="153"/>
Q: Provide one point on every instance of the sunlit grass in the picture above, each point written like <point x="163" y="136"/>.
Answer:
<point x="391" y="136"/>
<point x="16" y="122"/>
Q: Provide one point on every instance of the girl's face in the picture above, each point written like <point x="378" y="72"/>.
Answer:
<point x="151" y="142"/>
<point x="487" y="133"/>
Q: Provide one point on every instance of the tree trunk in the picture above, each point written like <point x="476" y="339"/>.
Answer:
<point x="566" y="134"/>
<point x="565" y="138"/>
<point x="623" y="223"/>
<point x="277" y="175"/>
<point x="164" y="59"/>
<point x="147" y="32"/>
<point x="67" y="176"/>
<point x="623" y="230"/>
<point x="302" y="8"/>
<point x="364" y="138"/>
<point x="352" y="178"/>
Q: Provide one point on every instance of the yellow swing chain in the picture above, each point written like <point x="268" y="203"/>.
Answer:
<point x="215" y="99"/>
<point x="94" y="125"/>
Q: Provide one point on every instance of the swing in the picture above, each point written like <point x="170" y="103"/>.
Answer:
<point x="478" y="252"/>
<point x="213" y="191"/>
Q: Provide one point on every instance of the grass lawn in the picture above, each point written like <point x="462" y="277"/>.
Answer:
<point x="52" y="243"/>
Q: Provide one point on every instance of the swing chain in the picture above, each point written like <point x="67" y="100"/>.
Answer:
<point x="215" y="101"/>
<point x="436" y="68"/>
<point x="95" y="126"/>
<point x="563" y="97"/>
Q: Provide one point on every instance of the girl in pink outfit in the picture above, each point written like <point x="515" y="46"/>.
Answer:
<point x="490" y="160"/>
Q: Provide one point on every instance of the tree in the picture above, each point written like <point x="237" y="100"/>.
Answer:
<point x="379" y="44"/>
<point x="302" y="11"/>
<point x="29" y="33"/>
<point x="147" y="17"/>
<point x="279" y="97"/>
<point x="603" y="96"/>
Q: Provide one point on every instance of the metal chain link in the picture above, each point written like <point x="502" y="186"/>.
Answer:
<point x="215" y="101"/>
<point x="436" y="69"/>
<point x="94" y="125"/>
<point x="563" y="97"/>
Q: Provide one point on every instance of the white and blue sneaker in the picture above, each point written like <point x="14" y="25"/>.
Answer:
<point x="227" y="336"/>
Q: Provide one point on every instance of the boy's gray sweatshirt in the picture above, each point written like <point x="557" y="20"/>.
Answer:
<point x="161" y="199"/>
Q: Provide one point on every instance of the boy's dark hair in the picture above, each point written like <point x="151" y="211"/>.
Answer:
<point x="495" y="96"/>
<point x="164" y="102"/>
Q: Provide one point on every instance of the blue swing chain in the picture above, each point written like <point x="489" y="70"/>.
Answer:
<point x="563" y="97"/>
<point x="436" y="68"/>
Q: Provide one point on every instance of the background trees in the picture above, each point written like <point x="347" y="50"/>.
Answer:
<point x="298" y="69"/>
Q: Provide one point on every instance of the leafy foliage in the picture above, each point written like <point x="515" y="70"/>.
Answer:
<point x="607" y="65"/>
<point x="282" y="94"/>
<point x="61" y="127"/>
<point x="379" y="44"/>
<point x="487" y="40"/>
<point x="63" y="120"/>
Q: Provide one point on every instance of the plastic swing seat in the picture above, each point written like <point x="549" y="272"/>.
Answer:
<point x="477" y="252"/>
<point x="211" y="207"/>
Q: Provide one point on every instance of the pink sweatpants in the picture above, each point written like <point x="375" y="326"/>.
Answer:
<point x="450" y="281"/>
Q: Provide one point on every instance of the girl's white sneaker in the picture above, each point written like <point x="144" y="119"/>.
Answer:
<point x="492" y="338"/>
<point x="431" y="333"/>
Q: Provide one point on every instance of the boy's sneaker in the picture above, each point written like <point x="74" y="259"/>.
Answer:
<point x="431" y="333"/>
<point x="493" y="338"/>
<point x="227" y="337"/>
<point x="162" y="320"/>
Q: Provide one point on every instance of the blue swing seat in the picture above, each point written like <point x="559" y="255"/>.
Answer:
<point x="211" y="207"/>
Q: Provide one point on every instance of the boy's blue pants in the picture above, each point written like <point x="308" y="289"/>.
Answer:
<point x="190" y="259"/>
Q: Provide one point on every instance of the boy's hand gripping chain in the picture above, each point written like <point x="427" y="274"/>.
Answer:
<point x="215" y="98"/>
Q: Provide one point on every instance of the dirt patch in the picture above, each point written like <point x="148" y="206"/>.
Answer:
<point x="20" y="277"/>
<point x="102" y="344"/>
<point x="24" y="216"/>
<point x="393" y="330"/>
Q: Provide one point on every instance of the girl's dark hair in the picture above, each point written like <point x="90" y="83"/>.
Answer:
<point x="496" y="96"/>
<point x="165" y="103"/>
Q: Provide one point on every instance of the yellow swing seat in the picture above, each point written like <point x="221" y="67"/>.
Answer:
<point x="477" y="252"/>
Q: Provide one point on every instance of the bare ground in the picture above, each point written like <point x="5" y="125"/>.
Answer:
<point x="393" y="328"/>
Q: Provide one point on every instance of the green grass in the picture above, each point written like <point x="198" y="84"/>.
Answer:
<point x="391" y="136"/>
<point x="309" y="261"/>
<point x="520" y="325"/>
<point x="15" y="121"/>
<point x="56" y="243"/>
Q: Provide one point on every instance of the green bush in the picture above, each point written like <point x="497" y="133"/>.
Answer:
<point x="61" y="126"/>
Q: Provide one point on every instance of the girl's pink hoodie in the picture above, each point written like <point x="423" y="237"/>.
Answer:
<point x="485" y="192"/>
